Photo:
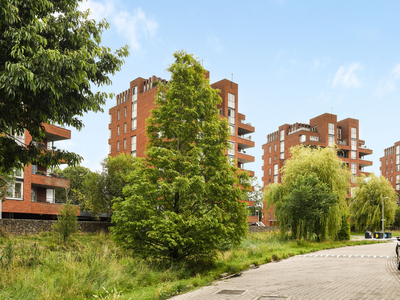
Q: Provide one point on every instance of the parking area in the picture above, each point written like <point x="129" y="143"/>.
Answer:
<point x="358" y="272"/>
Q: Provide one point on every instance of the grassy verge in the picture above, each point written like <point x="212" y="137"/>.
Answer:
<point x="91" y="266"/>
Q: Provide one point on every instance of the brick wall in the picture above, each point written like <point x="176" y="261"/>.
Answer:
<point x="262" y="228"/>
<point x="21" y="226"/>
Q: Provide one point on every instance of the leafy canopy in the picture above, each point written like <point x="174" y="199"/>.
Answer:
<point x="366" y="205"/>
<point x="311" y="199"/>
<point x="50" y="59"/>
<point x="181" y="202"/>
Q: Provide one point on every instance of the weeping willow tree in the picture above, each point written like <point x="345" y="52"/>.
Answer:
<point x="366" y="205"/>
<point x="311" y="200"/>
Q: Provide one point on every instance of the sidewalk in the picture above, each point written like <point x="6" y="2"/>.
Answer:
<point x="357" y="272"/>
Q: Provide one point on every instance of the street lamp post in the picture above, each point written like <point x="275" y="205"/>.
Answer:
<point x="383" y="215"/>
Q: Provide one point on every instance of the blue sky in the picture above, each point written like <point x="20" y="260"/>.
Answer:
<point x="293" y="60"/>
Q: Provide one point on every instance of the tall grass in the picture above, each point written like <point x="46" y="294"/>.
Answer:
<point x="90" y="266"/>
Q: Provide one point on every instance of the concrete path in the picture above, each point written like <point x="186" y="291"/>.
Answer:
<point x="357" y="272"/>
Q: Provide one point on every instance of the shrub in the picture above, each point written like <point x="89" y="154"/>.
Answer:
<point x="67" y="221"/>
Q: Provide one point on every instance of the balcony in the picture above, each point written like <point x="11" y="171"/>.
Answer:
<point x="244" y="158"/>
<point x="47" y="200"/>
<point x="364" y="150"/>
<point x="56" y="133"/>
<point x="245" y="142"/>
<point x="40" y="178"/>
<point x="245" y="128"/>
<point x="251" y="173"/>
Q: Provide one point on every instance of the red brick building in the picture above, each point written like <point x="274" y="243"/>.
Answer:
<point x="323" y="131"/>
<point x="33" y="193"/>
<point x="390" y="165"/>
<point x="128" y="120"/>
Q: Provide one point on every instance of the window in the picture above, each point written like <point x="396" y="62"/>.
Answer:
<point x="331" y="130"/>
<point x="276" y="173"/>
<point x="118" y="116"/>
<point x="397" y="159"/>
<point x="118" y="146"/>
<point x="220" y="111"/>
<point x="397" y="150"/>
<point x="391" y="169"/>
<point x="232" y="130"/>
<point x="109" y="148"/>
<point x="231" y="116"/>
<point x="354" y="145"/>
<point x="134" y="93"/>
<point x="134" y="124"/>
<point x="269" y="160"/>
<point x="274" y="157"/>
<point x="275" y="147"/>
<point x="353" y="172"/>
<point x="124" y="144"/>
<point x="353" y="191"/>
<point x="353" y="133"/>
<point x="282" y="135"/>
<point x="125" y="112"/>
<point x="331" y="140"/>
<point x="269" y="150"/>
<point x="15" y="190"/>
<point x="391" y="160"/>
<point x="124" y="127"/>
<point x="231" y="150"/>
<point x="353" y="154"/>
<point x="386" y="161"/>
<point x="391" y="178"/>
<point x="110" y="118"/>
<point x="231" y="100"/>
<point x="118" y="130"/>
<point x="302" y="138"/>
<point x="397" y="182"/>
<point x="109" y="130"/>
<point x="133" y="145"/>
<point x="386" y="171"/>
<point x="282" y="150"/>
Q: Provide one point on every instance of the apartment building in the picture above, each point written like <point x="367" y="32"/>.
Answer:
<point x="322" y="131"/>
<point x="390" y="165"/>
<point x="33" y="194"/>
<point x="128" y="121"/>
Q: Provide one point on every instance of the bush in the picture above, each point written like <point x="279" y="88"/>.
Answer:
<point x="67" y="221"/>
<point x="344" y="232"/>
<point x="396" y="222"/>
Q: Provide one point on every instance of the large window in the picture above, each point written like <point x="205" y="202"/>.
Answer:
<point x="331" y="129"/>
<point x="125" y="111"/>
<point x="231" y="100"/>
<point x="353" y="133"/>
<point x="331" y="140"/>
<point x="231" y="116"/>
<point x="302" y="138"/>
<point x="282" y="135"/>
<point x="353" y="172"/>
<point x="232" y="130"/>
<point x="134" y="115"/>
<point x="353" y="154"/>
<point x="354" y="145"/>
<point x="15" y="190"/>
<point x="282" y="150"/>
<point x="118" y="146"/>
<point x="397" y="182"/>
<point x="118" y="130"/>
<point x="118" y="115"/>
<point x="133" y="145"/>
<point x="124" y="144"/>
<point x="125" y="126"/>
<point x="231" y="150"/>
<point x="276" y="173"/>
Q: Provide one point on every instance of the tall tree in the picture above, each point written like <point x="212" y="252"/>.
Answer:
<point x="312" y="196"/>
<point x="366" y="205"/>
<point x="181" y="202"/>
<point x="50" y="59"/>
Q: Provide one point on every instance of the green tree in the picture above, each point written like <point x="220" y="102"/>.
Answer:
<point x="315" y="181"/>
<point x="397" y="218"/>
<point x="76" y="175"/>
<point x="50" y="60"/>
<point x="366" y="205"/>
<point x="101" y="188"/>
<point x="67" y="221"/>
<point x="181" y="203"/>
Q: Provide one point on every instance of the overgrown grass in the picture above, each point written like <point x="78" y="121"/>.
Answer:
<point x="91" y="266"/>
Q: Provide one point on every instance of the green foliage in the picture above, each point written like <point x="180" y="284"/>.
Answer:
<point x="396" y="221"/>
<point x="74" y="194"/>
<point x="67" y="221"/>
<point x="181" y="201"/>
<point x="101" y="188"/>
<point x="50" y="59"/>
<point x="344" y="232"/>
<point x="366" y="206"/>
<point x="312" y="197"/>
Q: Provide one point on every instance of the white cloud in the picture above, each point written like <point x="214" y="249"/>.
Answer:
<point x="389" y="84"/>
<point x="131" y="26"/>
<point x="346" y="76"/>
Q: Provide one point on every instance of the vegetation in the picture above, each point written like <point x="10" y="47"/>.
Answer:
<point x="50" y="59"/>
<point x="38" y="267"/>
<point x="396" y="221"/>
<point x="181" y="203"/>
<point x="311" y="200"/>
<point x="366" y="205"/>
<point x="67" y="221"/>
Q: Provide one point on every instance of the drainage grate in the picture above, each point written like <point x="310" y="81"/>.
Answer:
<point x="231" y="292"/>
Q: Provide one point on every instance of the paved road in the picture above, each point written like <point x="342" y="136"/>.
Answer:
<point x="357" y="272"/>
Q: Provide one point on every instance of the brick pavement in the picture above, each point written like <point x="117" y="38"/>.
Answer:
<point x="360" y="272"/>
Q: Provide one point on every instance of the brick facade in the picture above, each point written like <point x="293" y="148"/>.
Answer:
<point x="390" y="166"/>
<point x="37" y="194"/>
<point x="143" y="93"/>
<point x="321" y="131"/>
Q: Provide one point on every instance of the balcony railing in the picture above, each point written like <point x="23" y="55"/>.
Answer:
<point x="245" y="137"/>
<point x="244" y="122"/>
<point x="314" y="138"/>
<point x="48" y="200"/>
<point x="344" y="142"/>
<point x="48" y="174"/>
